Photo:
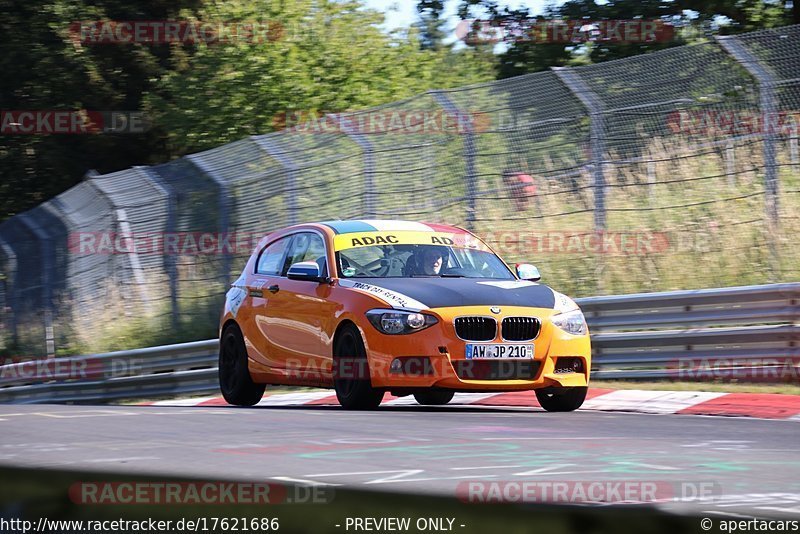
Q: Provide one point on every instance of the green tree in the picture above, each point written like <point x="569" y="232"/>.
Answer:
<point x="431" y="23"/>
<point x="45" y="69"/>
<point x="693" y="18"/>
<point x="331" y="56"/>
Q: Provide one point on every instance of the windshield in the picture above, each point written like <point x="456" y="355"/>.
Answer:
<point x="406" y="261"/>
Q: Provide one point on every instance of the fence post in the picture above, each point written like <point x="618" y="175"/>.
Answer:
<point x="369" y="164"/>
<point x="123" y="227"/>
<point x="595" y="109"/>
<point x="11" y="289"/>
<point x="794" y="157"/>
<point x="469" y="154"/>
<point x="278" y="155"/>
<point x="47" y="251"/>
<point x="223" y="202"/>
<point x="768" y="105"/>
<point x="170" y="260"/>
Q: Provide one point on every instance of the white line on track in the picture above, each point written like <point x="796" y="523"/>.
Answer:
<point x="305" y="481"/>
<point x="553" y="438"/>
<point x="649" y="466"/>
<point x="87" y="413"/>
<point x="544" y="470"/>
<point x="486" y="467"/>
<point x="123" y="459"/>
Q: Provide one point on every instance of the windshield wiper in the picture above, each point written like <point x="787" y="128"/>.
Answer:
<point x="452" y="275"/>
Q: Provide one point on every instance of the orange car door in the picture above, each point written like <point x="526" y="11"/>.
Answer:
<point x="299" y="313"/>
<point x="261" y="289"/>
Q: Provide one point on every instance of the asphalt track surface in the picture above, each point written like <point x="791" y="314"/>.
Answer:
<point x="753" y="464"/>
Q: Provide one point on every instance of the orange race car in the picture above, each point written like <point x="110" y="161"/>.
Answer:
<point x="417" y="309"/>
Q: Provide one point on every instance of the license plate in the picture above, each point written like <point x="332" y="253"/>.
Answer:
<point x="499" y="351"/>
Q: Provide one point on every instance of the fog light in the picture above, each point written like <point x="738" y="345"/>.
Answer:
<point x="569" y="365"/>
<point x="412" y="366"/>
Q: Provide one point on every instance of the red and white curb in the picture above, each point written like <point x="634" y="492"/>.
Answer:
<point x="760" y="405"/>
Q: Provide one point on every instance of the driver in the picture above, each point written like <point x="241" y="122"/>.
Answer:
<point x="431" y="260"/>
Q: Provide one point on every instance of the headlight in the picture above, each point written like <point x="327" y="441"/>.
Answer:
<point x="569" y="317"/>
<point x="571" y="322"/>
<point x="394" y="322"/>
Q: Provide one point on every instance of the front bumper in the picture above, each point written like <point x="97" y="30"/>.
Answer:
<point x="446" y="352"/>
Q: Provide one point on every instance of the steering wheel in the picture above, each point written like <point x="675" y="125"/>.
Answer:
<point x="376" y="268"/>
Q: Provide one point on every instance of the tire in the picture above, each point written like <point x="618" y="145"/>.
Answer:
<point x="434" y="397"/>
<point x="351" y="379"/>
<point x="561" y="399"/>
<point x="235" y="382"/>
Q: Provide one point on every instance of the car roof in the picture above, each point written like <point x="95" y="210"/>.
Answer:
<point x="388" y="225"/>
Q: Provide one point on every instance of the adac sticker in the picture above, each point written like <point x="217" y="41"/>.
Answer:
<point x="406" y="237"/>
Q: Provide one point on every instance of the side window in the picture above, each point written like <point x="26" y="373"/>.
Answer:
<point x="269" y="262"/>
<point x="306" y="246"/>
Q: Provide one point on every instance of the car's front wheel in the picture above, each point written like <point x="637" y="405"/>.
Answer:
<point x="561" y="399"/>
<point x="351" y="379"/>
<point x="235" y="382"/>
<point x="434" y="397"/>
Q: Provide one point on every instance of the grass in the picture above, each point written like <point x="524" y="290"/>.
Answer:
<point x="699" y="223"/>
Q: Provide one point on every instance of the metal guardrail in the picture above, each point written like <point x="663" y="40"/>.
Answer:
<point x="748" y="333"/>
<point x="166" y="371"/>
<point x="752" y="331"/>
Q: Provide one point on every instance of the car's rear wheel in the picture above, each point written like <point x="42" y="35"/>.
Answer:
<point x="235" y="382"/>
<point x="561" y="399"/>
<point x="434" y="397"/>
<point x="351" y="379"/>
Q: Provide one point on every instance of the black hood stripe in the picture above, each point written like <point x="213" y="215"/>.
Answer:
<point x="438" y="292"/>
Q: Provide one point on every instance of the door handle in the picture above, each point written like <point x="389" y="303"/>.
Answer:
<point x="273" y="289"/>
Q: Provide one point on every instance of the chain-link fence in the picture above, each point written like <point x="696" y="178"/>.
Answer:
<point x="676" y="169"/>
